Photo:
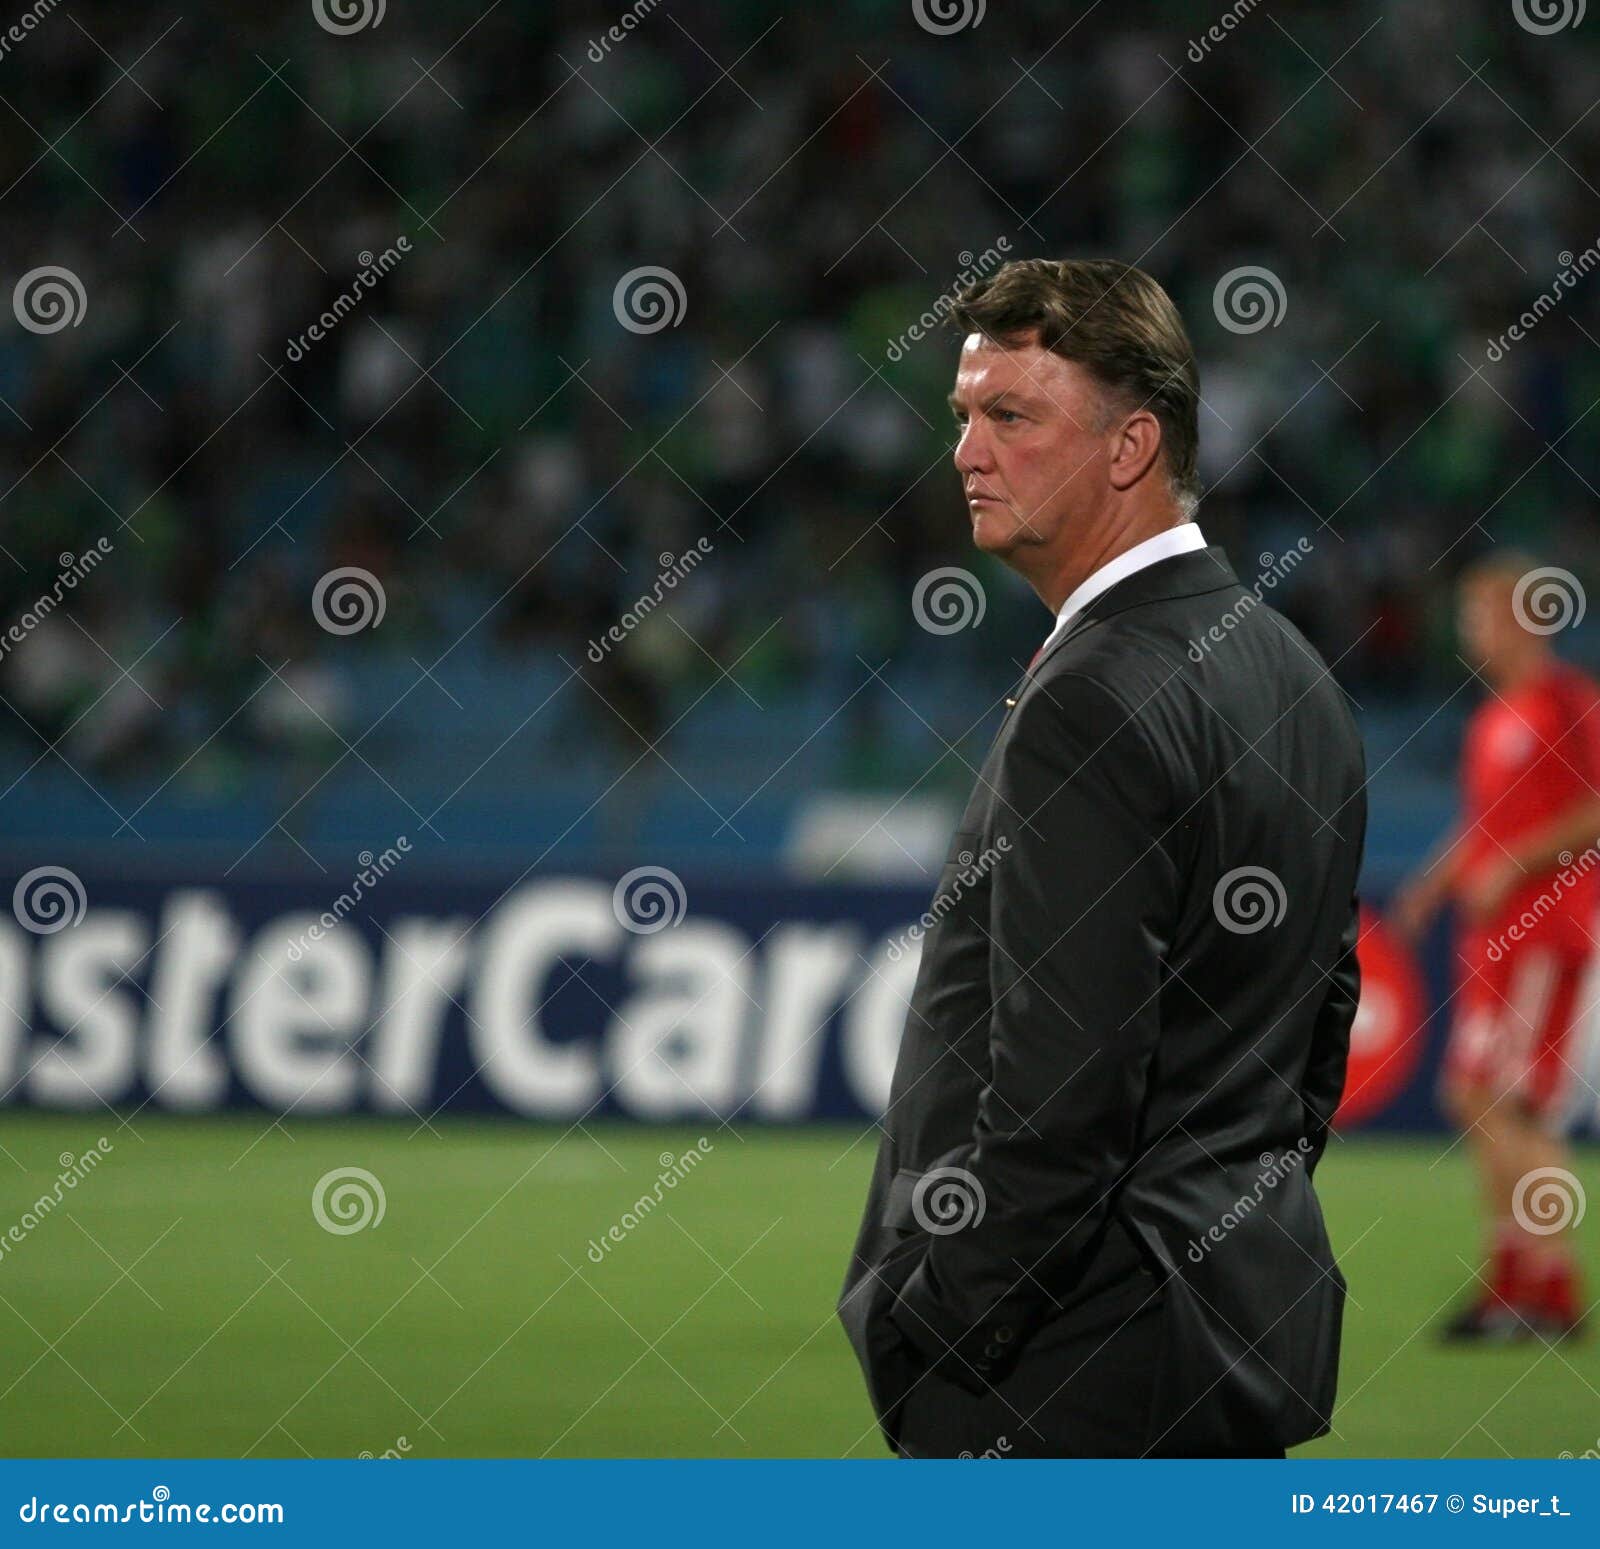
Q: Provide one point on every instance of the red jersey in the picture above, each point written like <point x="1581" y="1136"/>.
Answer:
<point x="1529" y="756"/>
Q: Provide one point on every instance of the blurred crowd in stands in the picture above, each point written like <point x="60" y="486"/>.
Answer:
<point x="481" y="430"/>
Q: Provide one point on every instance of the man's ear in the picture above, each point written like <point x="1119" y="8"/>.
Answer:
<point x="1136" y="447"/>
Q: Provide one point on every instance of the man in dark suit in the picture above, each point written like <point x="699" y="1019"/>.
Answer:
<point x="1092" y="1230"/>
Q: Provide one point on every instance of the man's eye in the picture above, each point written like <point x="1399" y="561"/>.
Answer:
<point x="1006" y="416"/>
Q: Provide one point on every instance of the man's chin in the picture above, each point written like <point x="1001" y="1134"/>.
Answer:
<point x="997" y="537"/>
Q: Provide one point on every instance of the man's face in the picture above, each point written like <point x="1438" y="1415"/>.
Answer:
<point x="1486" y="620"/>
<point x="1033" y="452"/>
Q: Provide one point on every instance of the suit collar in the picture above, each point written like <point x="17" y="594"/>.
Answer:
<point x="1183" y="575"/>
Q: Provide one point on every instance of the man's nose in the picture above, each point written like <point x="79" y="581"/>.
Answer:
<point x="972" y="450"/>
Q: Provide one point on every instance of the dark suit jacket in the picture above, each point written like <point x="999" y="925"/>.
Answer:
<point x="1128" y="1033"/>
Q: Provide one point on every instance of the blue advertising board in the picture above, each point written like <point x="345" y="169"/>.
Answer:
<point x="642" y="995"/>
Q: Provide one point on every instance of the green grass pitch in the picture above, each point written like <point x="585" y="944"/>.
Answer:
<point x="182" y="1300"/>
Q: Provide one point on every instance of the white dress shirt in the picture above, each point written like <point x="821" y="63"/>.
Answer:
<point x="1185" y="538"/>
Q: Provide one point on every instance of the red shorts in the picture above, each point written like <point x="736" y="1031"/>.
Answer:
<point x="1516" y="1032"/>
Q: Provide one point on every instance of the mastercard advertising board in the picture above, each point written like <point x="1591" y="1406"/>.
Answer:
<point x="1389" y="1035"/>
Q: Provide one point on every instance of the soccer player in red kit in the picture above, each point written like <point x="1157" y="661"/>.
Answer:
<point x="1523" y="872"/>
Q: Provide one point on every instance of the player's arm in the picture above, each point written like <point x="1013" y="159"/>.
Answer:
<point x="1426" y="891"/>
<point x="1080" y="913"/>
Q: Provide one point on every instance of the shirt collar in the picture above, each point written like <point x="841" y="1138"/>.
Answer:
<point x="1185" y="538"/>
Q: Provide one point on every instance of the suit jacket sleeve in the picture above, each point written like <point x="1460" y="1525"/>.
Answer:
<point x="1323" y="1084"/>
<point x="1083" y="902"/>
